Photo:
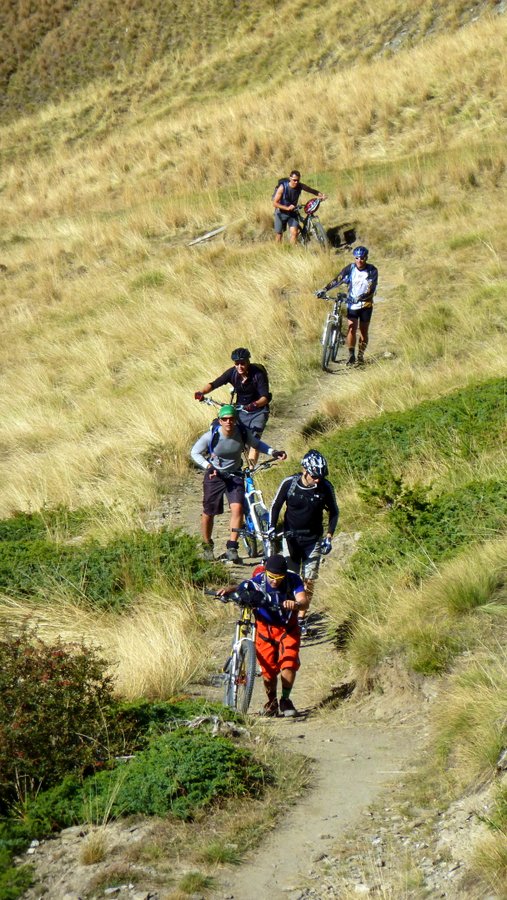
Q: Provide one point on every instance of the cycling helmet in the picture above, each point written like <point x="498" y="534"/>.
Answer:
<point x="315" y="464"/>
<point x="227" y="410"/>
<point x="312" y="206"/>
<point x="360" y="252"/>
<point x="239" y="354"/>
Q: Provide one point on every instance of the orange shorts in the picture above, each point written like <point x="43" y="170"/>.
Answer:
<point x="277" y="649"/>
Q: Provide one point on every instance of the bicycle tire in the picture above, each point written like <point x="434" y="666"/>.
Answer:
<point x="339" y="346"/>
<point x="319" y="234"/>
<point x="327" y="345"/>
<point x="250" y="542"/>
<point x="241" y="677"/>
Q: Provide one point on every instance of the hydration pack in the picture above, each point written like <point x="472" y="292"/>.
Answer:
<point x="215" y="426"/>
<point x="285" y="182"/>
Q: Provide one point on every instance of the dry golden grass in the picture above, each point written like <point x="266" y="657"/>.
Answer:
<point x="155" y="648"/>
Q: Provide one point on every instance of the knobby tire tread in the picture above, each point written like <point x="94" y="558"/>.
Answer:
<point x="240" y="682"/>
<point x="327" y="346"/>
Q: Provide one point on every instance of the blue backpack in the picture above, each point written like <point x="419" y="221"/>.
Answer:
<point x="285" y="182"/>
<point x="215" y="426"/>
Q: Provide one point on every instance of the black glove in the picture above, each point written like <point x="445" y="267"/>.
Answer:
<point x="321" y="293"/>
<point x="199" y="396"/>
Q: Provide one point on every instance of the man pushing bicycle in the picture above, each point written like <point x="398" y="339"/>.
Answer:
<point x="219" y="452"/>
<point x="275" y="596"/>
<point x="361" y="277"/>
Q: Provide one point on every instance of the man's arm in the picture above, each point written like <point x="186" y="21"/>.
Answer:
<point x="225" y="378"/>
<point x="279" y="500"/>
<point x="251" y="440"/>
<point x="333" y="510"/>
<point x="200" y="448"/>
<point x="310" y="190"/>
<point x="340" y="278"/>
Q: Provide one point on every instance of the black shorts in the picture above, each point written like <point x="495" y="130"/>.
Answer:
<point x="361" y="315"/>
<point x="215" y="486"/>
<point x="256" y="420"/>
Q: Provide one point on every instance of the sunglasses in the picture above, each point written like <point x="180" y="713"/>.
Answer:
<point x="274" y="577"/>
<point x="228" y="419"/>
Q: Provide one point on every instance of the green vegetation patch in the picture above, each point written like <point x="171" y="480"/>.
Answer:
<point x="177" y="775"/>
<point x="460" y="426"/>
<point x="108" y="575"/>
<point x="424" y="530"/>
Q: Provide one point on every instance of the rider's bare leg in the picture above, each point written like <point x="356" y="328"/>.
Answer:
<point x="236" y="520"/>
<point x="363" y="340"/>
<point x="293" y="234"/>
<point x="207" y="527"/>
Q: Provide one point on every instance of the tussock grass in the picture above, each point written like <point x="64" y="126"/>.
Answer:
<point x="155" y="648"/>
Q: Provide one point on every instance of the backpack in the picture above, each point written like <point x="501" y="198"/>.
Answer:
<point x="215" y="425"/>
<point x="285" y="182"/>
<point x="264" y="372"/>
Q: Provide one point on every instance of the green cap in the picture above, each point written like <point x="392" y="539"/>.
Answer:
<point x="227" y="410"/>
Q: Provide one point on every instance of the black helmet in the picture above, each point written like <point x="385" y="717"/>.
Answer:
<point x="315" y="464"/>
<point x="239" y="354"/>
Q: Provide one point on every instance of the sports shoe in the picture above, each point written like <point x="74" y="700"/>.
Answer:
<point x="271" y="709"/>
<point x="351" y="360"/>
<point x="303" y="626"/>
<point x="232" y="555"/>
<point x="287" y="708"/>
<point x="207" y="552"/>
<point x="360" y="359"/>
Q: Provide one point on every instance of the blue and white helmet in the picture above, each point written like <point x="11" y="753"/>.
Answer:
<point x="360" y="252"/>
<point x="315" y="464"/>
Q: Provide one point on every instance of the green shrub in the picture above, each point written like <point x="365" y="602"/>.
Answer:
<point x="108" y="575"/>
<point x="423" y="531"/>
<point x="54" y="704"/>
<point x="138" y="720"/>
<point x="178" y="774"/>
<point x="459" y="425"/>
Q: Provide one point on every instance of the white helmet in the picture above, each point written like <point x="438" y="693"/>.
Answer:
<point x="315" y="464"/>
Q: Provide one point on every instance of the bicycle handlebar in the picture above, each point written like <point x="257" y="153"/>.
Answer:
<point x="210" y="402"/>
<point x="339" y="297"/>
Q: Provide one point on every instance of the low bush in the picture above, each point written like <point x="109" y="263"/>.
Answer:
<point x="178" y="774"/>
<point x="421" y="530"/>
<point x="109" y="575"/>
<point x="55" y="702"/>
<point x="458" y="425"/>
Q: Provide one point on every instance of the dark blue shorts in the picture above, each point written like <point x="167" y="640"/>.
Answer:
<point x="256" y="420"/>
<point x="215" y="486"/>
<point x="360" y="315"/>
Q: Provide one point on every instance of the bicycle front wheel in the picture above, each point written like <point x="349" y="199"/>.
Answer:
<point x="241" y="677"/>
<point x="327" y="345"/>
<point x="250" y="542"/>
<point x="339" y="347"/>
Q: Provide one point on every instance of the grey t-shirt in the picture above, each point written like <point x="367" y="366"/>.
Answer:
<point x="227" y="451"/>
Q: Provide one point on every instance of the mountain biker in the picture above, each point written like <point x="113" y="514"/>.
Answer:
<point x="306" y="496"/>
<point x="276" y="595"/>
<point x="285" y="201"/>
<point x="219" y="451"/>
<point x="250" y="383"/>
<point x="361" y="278"/>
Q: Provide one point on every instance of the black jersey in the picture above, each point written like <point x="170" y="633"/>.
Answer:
<point x="305" y="506"/>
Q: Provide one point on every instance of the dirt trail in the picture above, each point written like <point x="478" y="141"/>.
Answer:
<point x="353" y="758"/>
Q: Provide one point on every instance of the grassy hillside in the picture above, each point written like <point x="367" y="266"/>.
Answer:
<point x="111" y="321"/>
<point x="49" y="49"/>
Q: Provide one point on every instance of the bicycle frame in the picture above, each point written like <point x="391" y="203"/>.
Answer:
<point x="310" y="227"/>
<point x="255" y="530"/>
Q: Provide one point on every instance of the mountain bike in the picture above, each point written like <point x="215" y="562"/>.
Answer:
<point x="333" y="335"/>
<point x="241" y="666"/>
<point x="255" y="532"/>
<point x="310" y="228"/>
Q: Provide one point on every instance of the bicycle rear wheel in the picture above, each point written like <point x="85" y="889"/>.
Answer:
<point x="319" y="234"/>
<point x="250" y="542"/>
<point x="241" y="677"/>
<point x="327" y="345"/>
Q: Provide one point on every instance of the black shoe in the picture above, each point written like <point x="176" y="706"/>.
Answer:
<point x="360" y="360"/>
<point x="271" y="709"/>
<point x="287" y="708"/>
<point x="232" y="555"/>
<point x="351" y="360"/>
